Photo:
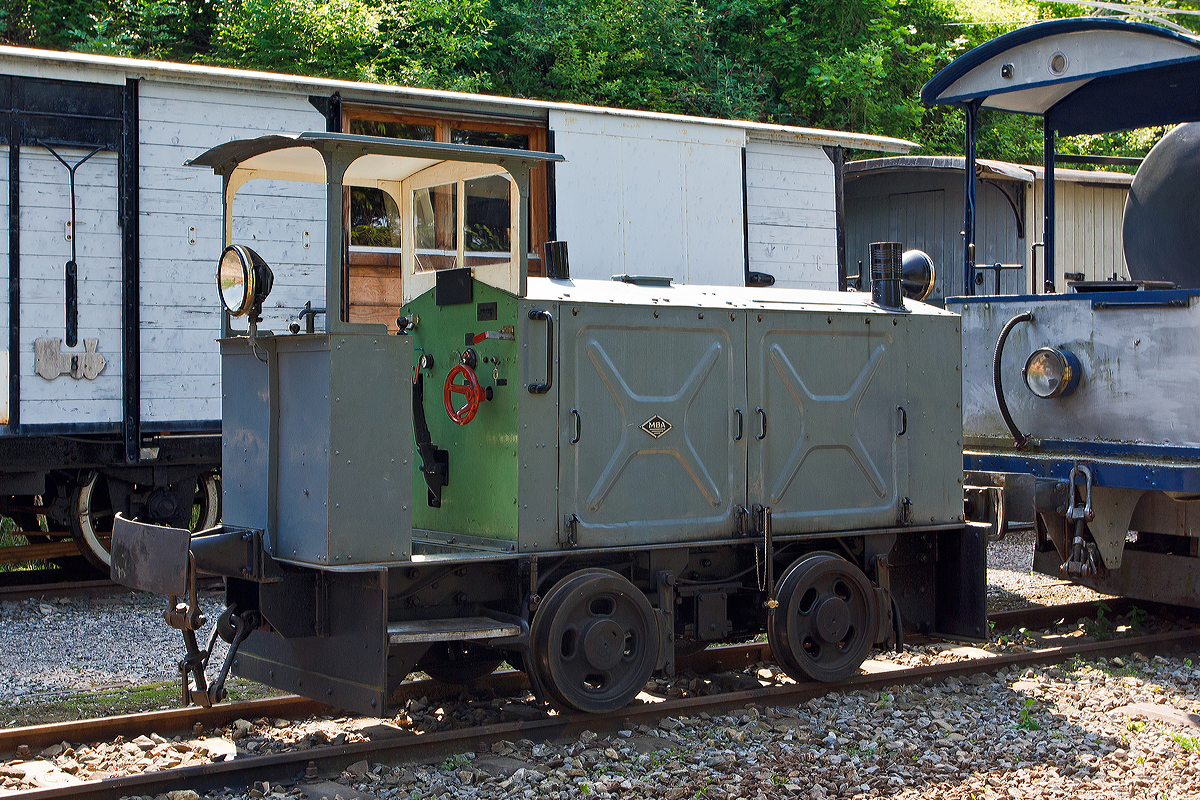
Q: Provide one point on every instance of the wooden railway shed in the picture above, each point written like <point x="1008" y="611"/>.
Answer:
<point x="111" y="367"/>
<point x="918" y="200"/>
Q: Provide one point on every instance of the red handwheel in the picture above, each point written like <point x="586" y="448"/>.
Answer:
<point x="470" y="387"/>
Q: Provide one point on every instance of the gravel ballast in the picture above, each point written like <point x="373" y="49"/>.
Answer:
<point x="1104" y="729"/>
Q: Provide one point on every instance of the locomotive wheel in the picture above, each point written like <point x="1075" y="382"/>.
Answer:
<point x="825" y="624"/>
<point x="92" y="515"/>
<point x="594" y="641"/>
<point x="458" y="663"/>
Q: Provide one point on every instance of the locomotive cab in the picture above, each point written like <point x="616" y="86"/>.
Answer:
<point x="586" y="478"/>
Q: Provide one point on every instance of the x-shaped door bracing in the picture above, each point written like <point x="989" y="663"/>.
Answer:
<point x="636" y="408"/>
<point x="834" y="416"/>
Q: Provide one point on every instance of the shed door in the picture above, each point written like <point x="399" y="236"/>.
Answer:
<point x="918" y="220"/>
<point x="657" y="458"/>
<point x="828" y="388"/>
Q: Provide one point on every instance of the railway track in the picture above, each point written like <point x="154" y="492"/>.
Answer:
<point x="408" y="746"/>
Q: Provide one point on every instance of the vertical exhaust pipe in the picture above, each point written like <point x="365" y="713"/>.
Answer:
<point x="887" y="272"/>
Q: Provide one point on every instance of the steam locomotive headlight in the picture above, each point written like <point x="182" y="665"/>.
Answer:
<point x="243" y="280"/>
<point x="1052" y="372"/>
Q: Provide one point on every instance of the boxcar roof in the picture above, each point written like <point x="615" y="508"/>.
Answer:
<point x="73" y="65"/>
<point x="718" y="298"/>
<point x="1026" y="173"/>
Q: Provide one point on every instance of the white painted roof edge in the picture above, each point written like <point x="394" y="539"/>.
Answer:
<point x="720" y="298"/>
<point x="166" y="70"/>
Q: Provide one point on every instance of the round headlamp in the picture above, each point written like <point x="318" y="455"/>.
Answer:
<point x="243" y="280"/>
<point x="919" y="274"/>
<point x="1052" y="372"/>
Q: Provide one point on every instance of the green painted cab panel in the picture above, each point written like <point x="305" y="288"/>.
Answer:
<point x="481" y="496"/>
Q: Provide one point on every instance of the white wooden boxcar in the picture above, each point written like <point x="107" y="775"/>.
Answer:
<point x="110" y="394"/>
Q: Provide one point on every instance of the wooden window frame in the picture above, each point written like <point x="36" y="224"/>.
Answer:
<point x="539" y="214"/>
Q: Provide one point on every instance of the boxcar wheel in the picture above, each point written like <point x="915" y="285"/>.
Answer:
<point x="594" y="641"/>
<point x="458" y="663"/>
<point x="825" y="623"/>
<point x="92" y="514"/>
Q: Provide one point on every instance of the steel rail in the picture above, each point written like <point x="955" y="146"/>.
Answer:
<point x="180" y="720"/>
<point x="406" y="746"/>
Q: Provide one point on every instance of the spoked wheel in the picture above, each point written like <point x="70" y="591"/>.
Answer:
<point x="457" y="663"/>
<point x="825" y="623"/>
<point x="92" y="514"/>
<point x="594" y="641"/>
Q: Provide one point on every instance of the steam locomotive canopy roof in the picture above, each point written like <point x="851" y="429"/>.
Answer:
<point x="1086" y="75"/>
<point x="375" y="158"/>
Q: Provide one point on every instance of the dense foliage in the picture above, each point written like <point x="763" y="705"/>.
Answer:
<point x="843" y="64"/>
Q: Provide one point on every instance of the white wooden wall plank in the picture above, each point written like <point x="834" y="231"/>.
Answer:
<point x="791" y="219"/>
<point x="822" y="218"/>
<point x="180" y="307"/>
<point x="671" y="198"/>
<point x="45" y="210"/>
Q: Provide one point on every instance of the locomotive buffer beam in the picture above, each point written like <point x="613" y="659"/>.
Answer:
<point x="156" y="558"/>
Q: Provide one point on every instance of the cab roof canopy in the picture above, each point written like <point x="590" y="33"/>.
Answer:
<point x="1085" y="75"/>
<point x="341" y="159"/>
<point x="368" y="159"/>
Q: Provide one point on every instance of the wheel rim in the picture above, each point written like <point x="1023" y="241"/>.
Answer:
<point x="94" y="519"/>
<point x="595" y="641"/>
<point x="825" y="624"/>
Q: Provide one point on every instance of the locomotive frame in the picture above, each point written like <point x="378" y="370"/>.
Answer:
<point x="536" y="516"/>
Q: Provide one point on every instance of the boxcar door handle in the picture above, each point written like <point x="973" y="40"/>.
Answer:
<point x="903" y="421"/>
<point x="738" y="411"/>
<point x="762" y="432"/>
<point x="542" y="388"/>
<point x="578" y="426"/>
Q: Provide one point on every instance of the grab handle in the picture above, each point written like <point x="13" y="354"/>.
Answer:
<point x="578" y="426"/>
<point x="542" y="388"/>
<point x="762" y="431"/>
<point x="738" y="411"/>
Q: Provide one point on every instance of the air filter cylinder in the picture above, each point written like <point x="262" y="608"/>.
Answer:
<point x="887" y="272"/>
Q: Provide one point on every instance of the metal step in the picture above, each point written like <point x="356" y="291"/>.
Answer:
<point x="448" y="630"/>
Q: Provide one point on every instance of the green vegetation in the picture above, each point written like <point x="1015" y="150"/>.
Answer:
<point x="1189" y="743"/>
<point x="12" y="536"/>
<point x="1027" y="722"/>
<point x="113" y="702"/>
<point x="844" y="64"/>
